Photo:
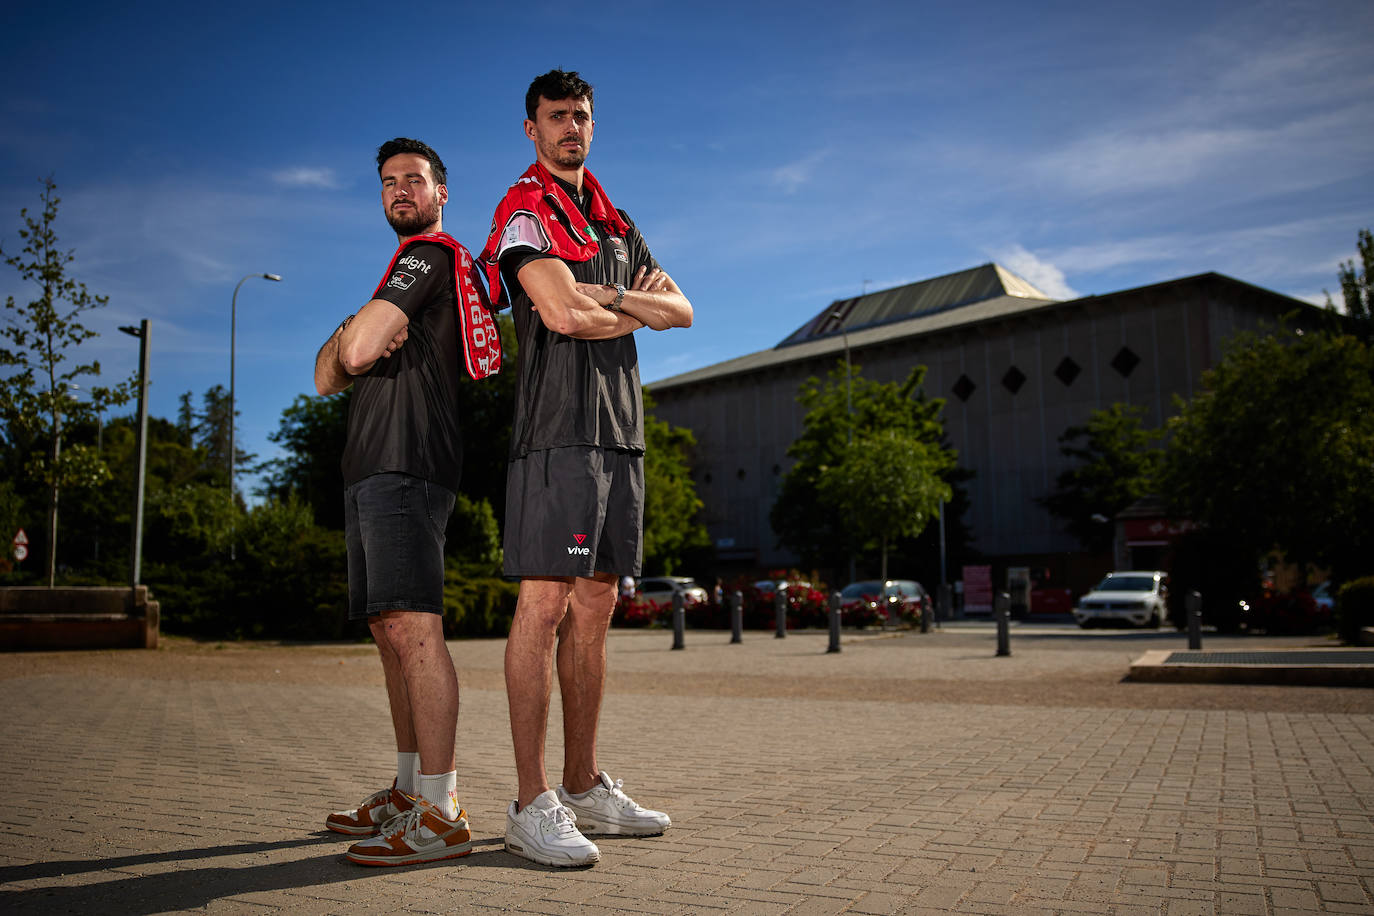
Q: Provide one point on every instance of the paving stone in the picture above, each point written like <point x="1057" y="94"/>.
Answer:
<point x="798" y="783"/>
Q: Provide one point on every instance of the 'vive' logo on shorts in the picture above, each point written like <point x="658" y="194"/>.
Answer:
<point x="583" y="551"/>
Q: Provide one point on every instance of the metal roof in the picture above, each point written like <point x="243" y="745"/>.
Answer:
<point x="925" y="297"/>
<point x="970" y="296"/>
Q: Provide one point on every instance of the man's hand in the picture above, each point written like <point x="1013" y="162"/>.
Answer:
<point x="650" y="280"/>
<point x="396" y="342"/>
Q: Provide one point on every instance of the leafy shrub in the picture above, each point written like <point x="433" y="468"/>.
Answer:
<point x="477" y="603"/>
<point x="1355" y="608"/>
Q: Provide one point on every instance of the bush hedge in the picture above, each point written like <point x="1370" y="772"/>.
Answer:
<point x="1354" y="608"/>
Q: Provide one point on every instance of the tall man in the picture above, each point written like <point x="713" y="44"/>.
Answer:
<point x="581" y="281"/>
<point x="401" y="464"/>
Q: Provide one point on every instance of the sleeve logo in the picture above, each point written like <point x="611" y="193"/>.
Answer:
<point x="400" y="280"/>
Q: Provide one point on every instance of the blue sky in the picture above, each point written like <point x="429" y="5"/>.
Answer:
<point x="776" y="156"/>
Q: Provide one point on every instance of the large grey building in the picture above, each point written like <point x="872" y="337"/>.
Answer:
<point x="1015" y="366"/>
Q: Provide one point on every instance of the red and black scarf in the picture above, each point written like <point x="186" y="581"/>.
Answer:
<point x="571" y="237"/>
<point x="481" y="340"/>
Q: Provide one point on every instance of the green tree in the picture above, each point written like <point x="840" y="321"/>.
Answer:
<point x="886" y="485"/>
<point x="1357" y="289"/>
<point x="804" y="521"/>
<point x="312" y="434"/>
<point x="673" y="531"/>
<point x="1117" y="463"/>
<point x="36" y="400"/>
<point x="1277" y="449"/>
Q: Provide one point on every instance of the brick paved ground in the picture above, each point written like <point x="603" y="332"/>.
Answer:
<point x="908" y="774"/>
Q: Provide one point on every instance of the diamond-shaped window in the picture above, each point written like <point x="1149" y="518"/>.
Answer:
<point x="1013" y="379"/>
<point x="1125" y="361"/>
<point x="1067" y="371"/>
<point x="964" y="388"/>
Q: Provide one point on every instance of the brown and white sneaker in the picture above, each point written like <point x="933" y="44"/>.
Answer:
<point x="367" y="819"/>
<point x="421" y="834"/>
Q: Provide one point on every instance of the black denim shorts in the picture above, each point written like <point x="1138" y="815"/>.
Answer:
<point x="394" y="529"/>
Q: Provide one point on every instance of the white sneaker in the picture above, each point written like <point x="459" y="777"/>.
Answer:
<point x="544" y="831"/>
<point x="607" y="810"/>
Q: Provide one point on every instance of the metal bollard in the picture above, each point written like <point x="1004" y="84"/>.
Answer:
<point x="834" y="622"/>
<point x="1002" y="607"/>
<point x="679" y="619"/>
<point x="736" y="601"/>
<point x="926" y="614"/>
<point x="1193" y="604"/>
<point x="780" y="611"/>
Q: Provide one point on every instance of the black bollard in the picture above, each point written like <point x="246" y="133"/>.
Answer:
<point x="834" y="622"/>
<point x="679" y="619"/>
<point x="926" y="614"/>
<point x="1002" y="607"/>
<point x="780" y="610"/>
<point x="1193" y="605"/>
<point x="736" y="617"/>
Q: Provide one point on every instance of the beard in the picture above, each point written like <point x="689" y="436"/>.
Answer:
<point x="563" y="158"/>
<point x="417" y="220"/>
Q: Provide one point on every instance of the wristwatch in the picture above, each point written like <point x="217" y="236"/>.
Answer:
<point x="619" y="297"/>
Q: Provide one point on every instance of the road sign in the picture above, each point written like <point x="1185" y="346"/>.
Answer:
<point x="21" y="544"/>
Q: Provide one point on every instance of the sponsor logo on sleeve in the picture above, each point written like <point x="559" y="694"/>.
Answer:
<point x="414" y="263"/>
<point x="523" y="230"/>
<point x="400" y="280"/>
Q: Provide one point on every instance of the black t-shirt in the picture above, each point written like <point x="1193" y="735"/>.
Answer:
<point x="404" y="414"/>
<point x="573" y="391"/>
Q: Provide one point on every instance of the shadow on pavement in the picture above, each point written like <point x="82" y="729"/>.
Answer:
<point x="193" y="888"/>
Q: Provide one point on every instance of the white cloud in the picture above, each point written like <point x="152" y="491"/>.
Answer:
<point x="305" y="177"/>
<point x="1042" y="274"/>
<point x="792" y="176"/>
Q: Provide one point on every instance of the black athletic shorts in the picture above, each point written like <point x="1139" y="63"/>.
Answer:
<point x="575" y="511"/>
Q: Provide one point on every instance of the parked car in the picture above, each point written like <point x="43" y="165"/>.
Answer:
<point x="769" y="587"/>
<point x="660" y="589"/>
<point x="1132" y="597"/>
<point x="894" y="598"/>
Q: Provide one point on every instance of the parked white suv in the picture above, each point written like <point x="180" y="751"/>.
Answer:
<point x="1134" y="597"/>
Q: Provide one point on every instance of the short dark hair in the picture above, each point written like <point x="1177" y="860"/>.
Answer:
<point x="406" y="145"/>
<point x="555" y="86"/>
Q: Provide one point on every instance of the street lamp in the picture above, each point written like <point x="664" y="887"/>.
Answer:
<point x="141" y="451"/>
<point x="848" y="401"/>
<point x="233" y="322"/>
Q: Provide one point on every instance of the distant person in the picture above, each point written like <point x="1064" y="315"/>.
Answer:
<point x="580" y="280"/>
<point x="402" y="353"/>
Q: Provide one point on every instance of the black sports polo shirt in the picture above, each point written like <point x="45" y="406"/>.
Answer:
<point x="573" y="391"/>
<point x="404" y="413"/>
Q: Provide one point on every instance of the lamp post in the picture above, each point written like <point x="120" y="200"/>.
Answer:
<point x="233" y="327"/>
<point x="848" y="401"/>
<point x="141" y="450"/>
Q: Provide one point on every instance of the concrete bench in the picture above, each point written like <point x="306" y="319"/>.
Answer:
<point x="98" y="617"/>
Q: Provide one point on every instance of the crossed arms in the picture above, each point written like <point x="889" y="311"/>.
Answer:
<point x="576" y="309"/>
<point x="375" y="332"/>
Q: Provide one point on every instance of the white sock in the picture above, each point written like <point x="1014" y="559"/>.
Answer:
<point x="407" y="766"/>
<point x="441" y="791"/>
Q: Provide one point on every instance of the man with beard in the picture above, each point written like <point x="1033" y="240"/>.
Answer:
<point x="401" y="464"/>
<point x="580" y="280"/>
